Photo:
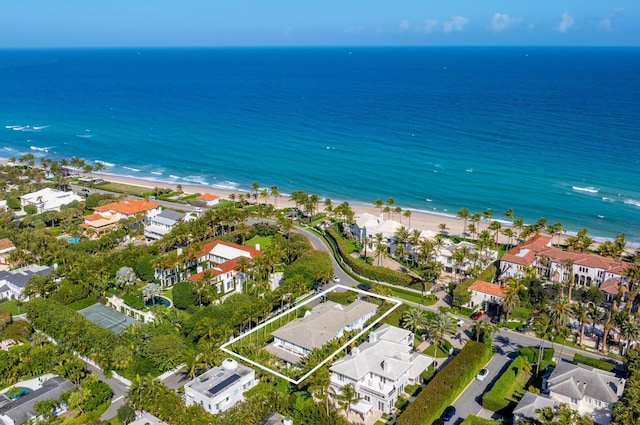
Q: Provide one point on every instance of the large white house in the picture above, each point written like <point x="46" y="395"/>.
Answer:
<point x="217" y="258"/>
<point x="161" y="224"/>
<point x="380" y="368"/>
<point x="48" y="199"/>
<point x="12" y="282"/>
<point x="585" y="389"/>
<point x="324" y="322"/>
<point x="220" y="388"/>
<point x="557" y="265"/>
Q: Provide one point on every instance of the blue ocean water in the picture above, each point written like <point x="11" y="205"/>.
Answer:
<point x="549" y="132"/>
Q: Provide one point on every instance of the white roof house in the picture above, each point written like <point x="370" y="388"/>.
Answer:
<point x="588" y="390"/>
<point x="161" y="225"/>
<point x="48" y="199"/>
<point x="380" y="368"/>
<point x="12" y="282"/>
<point x="529" y="404"/>
<point x="326" y="321"/>
<point x="220" y="388"/>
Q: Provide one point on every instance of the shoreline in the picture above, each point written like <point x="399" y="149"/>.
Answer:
<point x="422" y="220"/>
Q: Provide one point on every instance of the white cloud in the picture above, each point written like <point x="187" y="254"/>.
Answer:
<point x="567" y="22"/>
<point x="605" y="24"/>
<point x="502" y="21"/>
<point x="405" y="25"/>
<point x="456" y="23"/>
<point x="429" y="25"/>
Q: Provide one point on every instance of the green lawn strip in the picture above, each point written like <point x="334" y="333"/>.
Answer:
<point x="13" y="306"/>
<point x="83" y="303"/>
<point x="477" y="420"/>
<point x="413" y="296"/>
<point x="495" y="399"/>
<point x="442" y="351"/>
<point x="519" y="387"/>
<point x="167" y="293"/>
<point x="123" y="188"/>
<point x="263" y="241"/>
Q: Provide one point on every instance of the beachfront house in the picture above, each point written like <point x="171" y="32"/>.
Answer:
<point x="105" y="217"/>
<point x="454" y="263"/>
<point x="162" y="224"/>
<point x="209" y="199"/>
<point x="556" y="265"/>
<point x="614" y="290"/>
<point x="485" y="295"/>
<point x="12" y="282"/>
<point x="220" y="388"/>
<point x="323" y="323"/>
<point x="379" y="369"/>
<point x="48" y="199"/>
<point x="218" y="258"/>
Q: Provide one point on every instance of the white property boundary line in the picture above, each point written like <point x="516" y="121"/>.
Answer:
<point x="224" y="348"/>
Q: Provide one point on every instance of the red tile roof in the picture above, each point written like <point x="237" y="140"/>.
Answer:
<point x="612" y="286"/>
<point x="208" y="247"/>
<point x="216" y="270"/>
<point x="6" y="244"/>
<point x="208" y="197"/>
<point x="487" y="288"/>
<point x="526" y="253"/>
<point x="93" y="217"/>
<point x="128" y="206"/>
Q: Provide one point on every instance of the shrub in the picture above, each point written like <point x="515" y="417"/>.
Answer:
<point x="428" y="374"/>
<point x="446" y="385"/>
<point x="5" y="319"/>
<point x="521" y="313"/>
<point x="13" y="203"/>
<point x="126" y="414"/>
<point x="344" y="298"/>
<point x="531" y="354"/>
<point x="363" y="269"/>
<point x="30" y="209"/>
<point x="477" y="420"/>
<point x="133" y="301"/>
<point x="597" y="363"/>
<point x="183" y="295"/>
<point x="494" y="399"/>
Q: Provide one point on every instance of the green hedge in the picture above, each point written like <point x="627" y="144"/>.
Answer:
<point x="531" y="354"/>
<point x="477" y="420"/>
<point x="133" y="301"/>
<point x="446" y="385"/>
<point x="381" y="274"/>
<point x="494" y="399"/>
<point x="597" y="363"/>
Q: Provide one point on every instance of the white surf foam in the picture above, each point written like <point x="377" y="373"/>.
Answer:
<point x="157" y="173"/>
<point x="632" y="202"/>
<point x="36" y="148"/>
<point x="84" y="136"/>
<point x="132" y="169"/>
<point x="589" y="189"/>
<point x="105" y="163"/>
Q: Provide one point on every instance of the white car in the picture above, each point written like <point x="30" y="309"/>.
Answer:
<point x="482" y="374"/>
<point x="336" y="278"/>
<point x="460" y="322"/>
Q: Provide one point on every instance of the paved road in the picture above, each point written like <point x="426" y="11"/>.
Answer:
<point x="506" y="344"/>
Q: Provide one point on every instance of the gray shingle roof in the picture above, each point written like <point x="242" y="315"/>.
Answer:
<point x="578" y="381"/>
<point x="530" y="403"/>
<point x="20" y="277"/>
<point x="323" y="323"/>
<point x="21" y="410"/>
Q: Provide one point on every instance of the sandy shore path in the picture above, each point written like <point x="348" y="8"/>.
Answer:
<point x="417" y="220"/>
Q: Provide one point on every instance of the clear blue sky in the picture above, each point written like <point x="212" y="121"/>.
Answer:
<point x="138" y="23"/>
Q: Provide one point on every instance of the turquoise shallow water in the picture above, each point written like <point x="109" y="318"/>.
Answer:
<point x="548" y="132"/>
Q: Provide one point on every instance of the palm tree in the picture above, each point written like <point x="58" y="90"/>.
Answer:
<point x="509" y="213"/>
<point x="380" y="251"/>
<point x="495" y="226"/>
<point x="560" y="313"/>
<point x="378" y="203"/>
<point x="414" y="319"/>
<point x="348" y="395"/>
<point x="276" y="194"/>
<point x="510" y="302"/>
<point x="541" y="325"/>
<point x="487" y="214"/>
<point x="630" y="331"/>
<point x="464" y="214"/>
<point x="439" y="325"/>
<point x="567" y="267"/>
<point x="563" y="332"/>
<point x="607" y="319"/>
<point x="581" y="314"/>
<point x="443" y="228"/>
<point x="482" y="329"/>
<point x="407" y="215"/>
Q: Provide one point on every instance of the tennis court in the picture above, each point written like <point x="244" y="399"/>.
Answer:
<point x="107" y="317"/>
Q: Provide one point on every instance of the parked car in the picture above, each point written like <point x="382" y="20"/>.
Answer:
<point x="448" y="414"/>
<point x="460" y="322"/>
<point x="336" y="278"/>
<point x="364" y="287"/>
<point x="477" y="314"/>
<point x="482" y="374"/>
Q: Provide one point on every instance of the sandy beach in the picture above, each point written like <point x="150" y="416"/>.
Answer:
<point x="418" y="219"/>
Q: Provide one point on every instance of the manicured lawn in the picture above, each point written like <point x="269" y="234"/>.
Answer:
<point x="168" y="293"/>
<point x="123" y="188"/>
<point x="263" y="241"/>
<point x="442" y="351"/>
<point x="12" y="307"/>
<point x="519" y="387"/>
<point x="413" y="296"/>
